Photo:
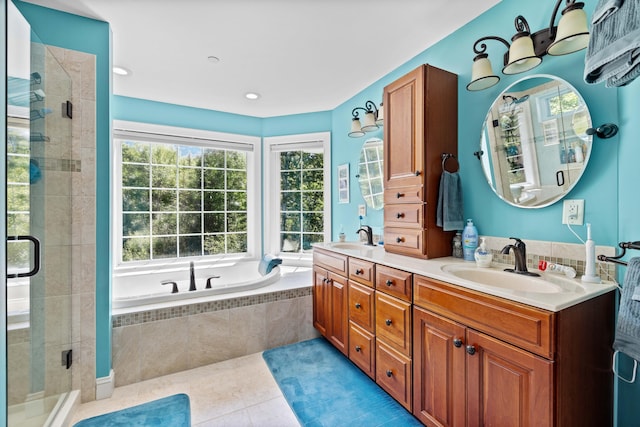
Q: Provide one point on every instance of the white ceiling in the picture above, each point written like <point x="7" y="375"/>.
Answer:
<point x="300" y="55"/>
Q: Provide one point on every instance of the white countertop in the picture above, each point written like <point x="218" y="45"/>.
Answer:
<point x="571" y="291"/>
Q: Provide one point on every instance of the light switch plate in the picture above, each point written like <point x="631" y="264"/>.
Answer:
<point x="573" y="212"/>
<point x="362" y="210"/>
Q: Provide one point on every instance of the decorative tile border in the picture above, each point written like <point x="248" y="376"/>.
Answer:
<point x="145" y="316"/>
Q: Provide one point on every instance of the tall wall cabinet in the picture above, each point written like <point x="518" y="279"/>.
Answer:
<point x="420" y="125"/>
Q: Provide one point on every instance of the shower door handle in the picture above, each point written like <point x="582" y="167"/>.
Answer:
<point x="36" y="258"/>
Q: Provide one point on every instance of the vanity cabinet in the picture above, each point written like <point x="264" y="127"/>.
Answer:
<point x="330" y="284"/>
<point x="421" y="124"/>
<point x="483" y="360"/>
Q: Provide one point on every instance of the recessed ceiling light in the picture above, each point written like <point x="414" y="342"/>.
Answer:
<point x="213" y="59"/>
<point x="252" y="95"/>
<point x="121" y="71"/>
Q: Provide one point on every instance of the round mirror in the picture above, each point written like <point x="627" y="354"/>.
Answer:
<point x="534" y="145"/>
<point x="370" y="173"/>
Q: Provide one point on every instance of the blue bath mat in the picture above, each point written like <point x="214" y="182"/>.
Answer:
<point x="172" y="411"/>
<point x="325" y="389"/>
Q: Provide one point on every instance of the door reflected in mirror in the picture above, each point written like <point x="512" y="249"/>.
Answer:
<point x="370" y="173"/>
<point x="534" y="141"/>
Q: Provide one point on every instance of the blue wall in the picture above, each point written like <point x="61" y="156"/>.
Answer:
<point x="611" y="201"/>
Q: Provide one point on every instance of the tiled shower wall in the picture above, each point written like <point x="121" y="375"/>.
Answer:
<point x="81" y="67"/>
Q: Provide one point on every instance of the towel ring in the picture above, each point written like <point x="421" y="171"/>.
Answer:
<point x="446" y="156"/>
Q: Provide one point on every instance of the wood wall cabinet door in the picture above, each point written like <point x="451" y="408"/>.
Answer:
<point x="439" y="378"/>
<point x="506" y="385"/>
<point x="339" y="320"/>
<point x="321" y="300"/>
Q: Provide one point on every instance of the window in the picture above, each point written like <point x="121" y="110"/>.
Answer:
<point x="184" y="193"/>
<point x="297" y="194"/>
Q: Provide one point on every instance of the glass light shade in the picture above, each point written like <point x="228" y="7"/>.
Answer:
<point x="380" y="119"/>
<point x="572" y="34"/>
<point x="522" y="57"/>
<point x="356" y="129"/>
<point x="482" y="76"/>
<point x="369" y="122"/>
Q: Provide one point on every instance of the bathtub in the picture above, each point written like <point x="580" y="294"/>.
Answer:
<point x="134" y="289"/>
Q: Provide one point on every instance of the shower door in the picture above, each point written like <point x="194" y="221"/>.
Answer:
<point x="39" y="214"/>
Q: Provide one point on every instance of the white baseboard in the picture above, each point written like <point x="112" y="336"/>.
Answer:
<point x="105" y="386"/>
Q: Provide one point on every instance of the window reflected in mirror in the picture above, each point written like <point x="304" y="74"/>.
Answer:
<point x="370" y="173"/>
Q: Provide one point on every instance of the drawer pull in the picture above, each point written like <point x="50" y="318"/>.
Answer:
<point x="389" y="373"/>
<point x="358" y="348"/>
<point x="418" y="173"/>
<point x="471" y="350"/>
<point x="388" y="322"/>
<point x="389" y="282"/>
<point x="457" y="342"/>
<point x="359" y="271"/>
<point x="399" y="239"/>
<point x="400" y="215"/>
<point x="399" y="195"/>
<point x="358" y="305"/>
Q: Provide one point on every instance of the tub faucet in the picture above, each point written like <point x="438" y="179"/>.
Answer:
<point x="192" y="277"/>
<point x="520" y="253"/>
<point x="369" y="233"/>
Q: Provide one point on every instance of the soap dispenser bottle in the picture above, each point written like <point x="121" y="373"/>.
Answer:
<point x="482" y="255"/>
<point x="469" y="241"/>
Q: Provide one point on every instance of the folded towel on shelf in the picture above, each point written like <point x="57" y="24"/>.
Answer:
<point x="267" y="263"/>
<point x="627" y="338"/>
<point x="613" y="54"/>
<point x="449" y="213"/>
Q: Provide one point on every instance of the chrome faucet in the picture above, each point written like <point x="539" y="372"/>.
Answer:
<point x="192" y="277"/>
<point x="369" y="233"/>
<point x="520" y="253"/>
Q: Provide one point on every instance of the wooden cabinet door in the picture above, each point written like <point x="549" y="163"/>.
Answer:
<point x="321" y="300"/>
<point x="404" y="130"/>
<point x="439" y="397"/>
<point x="507" y="386"/>
<point x="339" y="321"/>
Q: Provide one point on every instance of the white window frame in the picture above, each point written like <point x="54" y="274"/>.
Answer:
<point x="194" y="137"/>
<point x="272" y="147"/>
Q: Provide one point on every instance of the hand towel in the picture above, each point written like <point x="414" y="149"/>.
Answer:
<point x="627" y="338"/>
<point x="613" y="54"/>
<point x="449" y="213"/>
<point x="267" y="263"/>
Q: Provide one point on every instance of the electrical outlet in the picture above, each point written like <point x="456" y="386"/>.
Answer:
<point x="573" y="212"/>
<point x="362" y="210"/>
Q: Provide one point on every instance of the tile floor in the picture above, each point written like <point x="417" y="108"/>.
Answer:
<point x="239" y="392"/>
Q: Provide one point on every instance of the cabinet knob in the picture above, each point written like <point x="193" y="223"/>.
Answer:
<point x="418" y="173"/>
<point x="358" y="348"/>
<point x="388" y="322"/>
<point x="325" y="280"/>
<point x="400" y="215"/>
<point x="359" y="271"/>
<point x="471" y="350"/>
<point x="399" y="195"/>
<point x="457" y="342"/>
<point x="358" y="305"/>
<point x="399" y="239"/>
<point x="389" y="282"/>
<point x="389" y="373"/>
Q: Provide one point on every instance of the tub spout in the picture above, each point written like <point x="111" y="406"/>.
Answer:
<point x="192" y="278"/>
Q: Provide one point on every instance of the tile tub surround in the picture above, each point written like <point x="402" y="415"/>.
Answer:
<point x="151" y="343"/>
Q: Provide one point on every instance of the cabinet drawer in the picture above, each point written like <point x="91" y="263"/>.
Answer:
<point x="404" y="241"/>
<point x="361" y="305"/>
<point x="330" y="260"/>
<point x="394" y="282"/>
<point x="362" y="349"/>
<point x="525" y="326"/>
<point x="393" y="322"/>
<point x="393" y="373"/>
<point x="413" y="194"/>
<point x="410" y="215"/>
<point x="361" y="271"/>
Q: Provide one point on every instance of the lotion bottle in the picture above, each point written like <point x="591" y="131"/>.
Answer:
<point x="469" y="241"/>
<point x="590" y="265"/>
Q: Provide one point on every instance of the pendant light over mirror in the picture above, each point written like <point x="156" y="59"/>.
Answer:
<point x="526" y="50"/>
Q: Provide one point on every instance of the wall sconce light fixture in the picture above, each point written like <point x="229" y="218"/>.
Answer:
<point x="526" y="50"/>
<point x="373" y="119"/>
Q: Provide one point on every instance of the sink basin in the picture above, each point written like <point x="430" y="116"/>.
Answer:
<point x="498" y="278"/>
<point x="350" y="245"/>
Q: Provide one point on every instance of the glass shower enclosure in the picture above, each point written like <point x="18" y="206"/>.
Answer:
<point x="39" y="217"/>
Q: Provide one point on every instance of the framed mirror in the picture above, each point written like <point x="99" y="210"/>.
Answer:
<point x="370" y="173"/>
<point x="534" y="145"/>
